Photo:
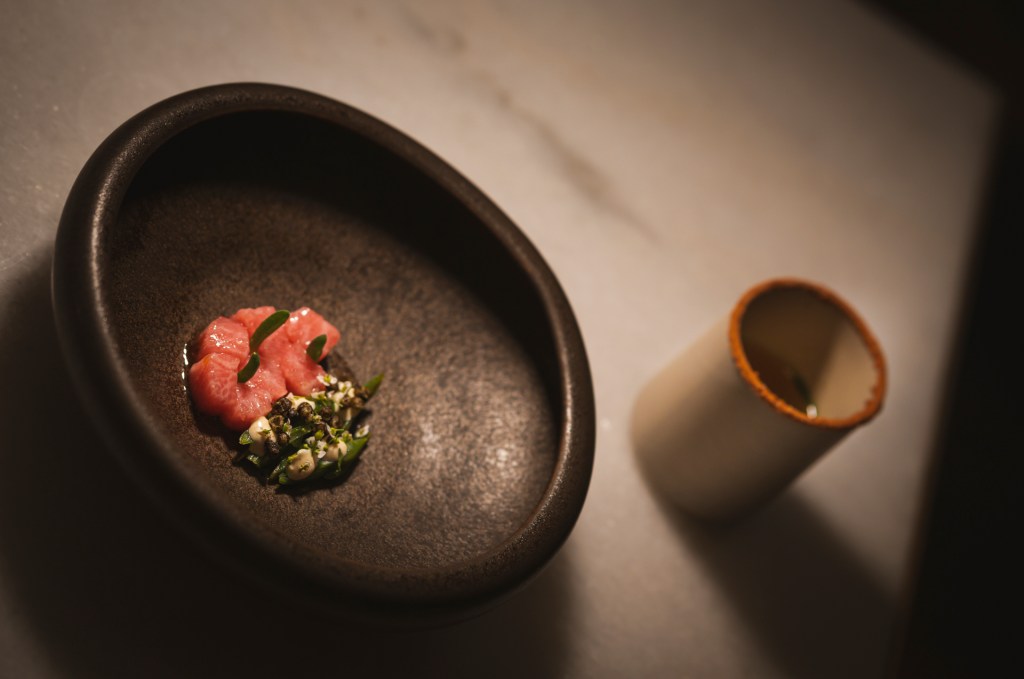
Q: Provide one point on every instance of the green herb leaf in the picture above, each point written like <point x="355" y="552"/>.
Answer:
<point x="246" y="373"/>
<point x="373" y="385"/>
<point x="281" y="466"/>
<point x="355" y="449"/>
<point x="321" y="401"/>
<point x="260" y="462"/>
<point x="316" y="347"/>
<point x="245" y="439"/>
<point x="269" y="325"/>
<point x="322" y="467"/>
<point x="297" y="438"/>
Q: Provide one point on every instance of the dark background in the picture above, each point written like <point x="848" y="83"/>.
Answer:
<point x="963" y="613"/>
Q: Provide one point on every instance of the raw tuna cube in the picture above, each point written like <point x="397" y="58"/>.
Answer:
<point x="223" y="349"/>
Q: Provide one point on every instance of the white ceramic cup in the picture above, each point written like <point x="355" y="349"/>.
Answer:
<point x="755" y="401"/>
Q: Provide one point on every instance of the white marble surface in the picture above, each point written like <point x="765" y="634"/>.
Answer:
<point x="663" y="156"/>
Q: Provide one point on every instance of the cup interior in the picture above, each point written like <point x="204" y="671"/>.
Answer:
<point x="809" y="353"/>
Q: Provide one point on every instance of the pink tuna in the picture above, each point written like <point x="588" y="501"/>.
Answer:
<point x="223" y="349"/>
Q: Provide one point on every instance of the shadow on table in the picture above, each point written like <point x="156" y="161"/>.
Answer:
<point x="110" y="588"/>
<point x="807" y="600"/>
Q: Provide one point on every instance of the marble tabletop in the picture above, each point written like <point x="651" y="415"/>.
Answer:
<point x="663" y="156"/>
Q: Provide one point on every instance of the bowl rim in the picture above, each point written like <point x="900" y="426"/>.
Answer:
<point x="102" y="380"/>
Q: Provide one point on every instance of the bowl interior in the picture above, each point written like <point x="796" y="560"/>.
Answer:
<point x="284" y="209"/>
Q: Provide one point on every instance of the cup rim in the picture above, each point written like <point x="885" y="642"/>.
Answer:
<point x="747" y="373"/>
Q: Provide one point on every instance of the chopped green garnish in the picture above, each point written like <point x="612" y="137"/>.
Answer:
<point x="297" y="438"/>
<point x="293" y="428"/>
<point x="345" y="462"/>
<point x="373" y="385"/>
<point x="260" y="462"/>
<point x="281" y="466"/>
<point x="246" y="373"/>
<point x="269" y="325"/>
<point x="322" y="468"/>
<point x="355" y="448"/>
<point x="316" y="347"/>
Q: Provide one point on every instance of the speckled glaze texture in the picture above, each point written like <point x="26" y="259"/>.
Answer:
<point x="244" y="195"/>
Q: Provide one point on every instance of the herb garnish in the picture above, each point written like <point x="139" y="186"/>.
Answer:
<point x="253" y="364"/>
<point x="373" y="385"/>
<point x="263" y="331"/>
<point x="312" y="438"/>
<point x="269" y="325"/>
<point x="316" y="347"/>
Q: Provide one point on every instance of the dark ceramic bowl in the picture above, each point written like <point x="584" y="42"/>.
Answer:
<point x="244" y="195"/>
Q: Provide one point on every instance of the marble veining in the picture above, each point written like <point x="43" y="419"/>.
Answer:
<point x="663" y="155"/>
